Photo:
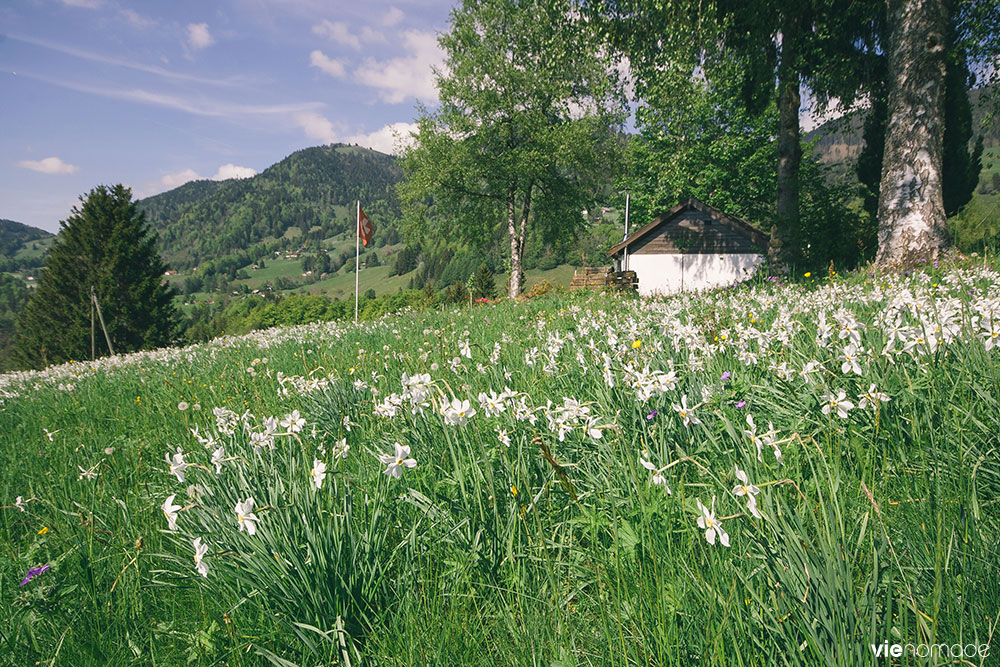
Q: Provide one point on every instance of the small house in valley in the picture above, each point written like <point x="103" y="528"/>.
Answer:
<point x="692" y="246"/>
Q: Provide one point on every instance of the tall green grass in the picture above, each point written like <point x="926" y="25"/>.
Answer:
<point x="881" y="526"/>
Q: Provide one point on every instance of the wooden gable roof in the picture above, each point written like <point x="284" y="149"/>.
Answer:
<point x="660" y="232"/>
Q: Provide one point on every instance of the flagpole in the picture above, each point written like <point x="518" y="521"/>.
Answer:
<point x="357" y="260"/>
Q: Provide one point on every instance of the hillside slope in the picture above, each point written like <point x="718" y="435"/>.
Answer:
<point x="313" y="190"/>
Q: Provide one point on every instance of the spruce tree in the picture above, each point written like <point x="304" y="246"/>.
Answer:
<point x="105" y="245"/>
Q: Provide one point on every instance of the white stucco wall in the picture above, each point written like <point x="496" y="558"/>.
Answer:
<point x="669" y="274"/>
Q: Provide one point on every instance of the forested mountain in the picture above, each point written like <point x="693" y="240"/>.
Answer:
<point x="14" y="235"/>
<point x="313" y="190"/>
<point x="839" y="141"/>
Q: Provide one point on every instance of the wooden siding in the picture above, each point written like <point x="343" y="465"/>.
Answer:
<point x="693" y="232"/>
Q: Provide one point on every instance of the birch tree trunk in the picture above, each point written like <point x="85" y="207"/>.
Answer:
<point x="911" y="218"/>
<point x="514" y="287"/>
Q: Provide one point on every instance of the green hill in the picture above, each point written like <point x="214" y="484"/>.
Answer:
<point x="310" y="193"/>
<point x="22" y="246"/>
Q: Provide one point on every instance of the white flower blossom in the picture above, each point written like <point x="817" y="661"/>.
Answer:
<point x="170" y="511"/>
<point x="245" y="517"/>
<point x="711" y="525"/>
<point x="318" y="473"/>
<point x="396" y="462"/>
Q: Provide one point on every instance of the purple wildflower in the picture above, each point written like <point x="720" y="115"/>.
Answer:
<point x="32" y="573"/>
<point x="726" y="376"/>
<point x="652" y="414"/>
<point x="741" y="404"/>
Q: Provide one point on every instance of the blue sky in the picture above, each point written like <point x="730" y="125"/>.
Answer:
<point x="153" y="94"/>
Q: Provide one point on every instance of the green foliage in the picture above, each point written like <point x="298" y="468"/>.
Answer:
<point x="107" y="246"/>
<point x="484" y="283"/>
<point x="708" y="146"/>
<point x="508" y="143"/>
<point x="13" y="299"/>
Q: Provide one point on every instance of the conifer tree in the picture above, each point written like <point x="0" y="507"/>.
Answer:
<point x="105" y="245"/>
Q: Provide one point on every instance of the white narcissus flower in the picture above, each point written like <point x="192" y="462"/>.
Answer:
<point x="686" y="414"/>
<point x="396" y="462"/>
<point x="745" y="488"/>
<point x="293" y="422"/>
<point x="245" y="517"/>
<point x="340" y="449"/>
<point x="658" y="478"/>
<point x="503" y="437"/>
<point x="199" y="557"/>
<point x="177" y="464"/>
<point x="711" y="525"/>
<point x="170" y="511"/>
<point x="318" y="473"/>
<point x="464" y="349"/>
<point x="873" y="397"/>
<point x="838" y="403"/>
<point x="457" y="413"/>
<point x="19" y="503"/>
<point x="219" y="459"/>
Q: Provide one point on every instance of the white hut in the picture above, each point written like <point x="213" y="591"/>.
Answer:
<point x="691" y="247"/>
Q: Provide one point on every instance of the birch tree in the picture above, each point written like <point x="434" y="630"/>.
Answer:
<point x="523" y="135"/>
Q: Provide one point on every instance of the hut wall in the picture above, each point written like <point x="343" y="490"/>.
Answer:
<point x="672" y="272"/>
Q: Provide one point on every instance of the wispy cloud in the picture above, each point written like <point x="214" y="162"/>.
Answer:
<point x="411" y="75"/>
<point x="50" y="165"/>
<point x="392" y="17"/>
<point x="135" y="19"/>
<point x="337" y="32"/>
<point x="128" y="64"/>
<point x="85" y="4"/>
<point x="198" y="36"/>
<point x="198" y="107"/>
<point x="334" y="68"/>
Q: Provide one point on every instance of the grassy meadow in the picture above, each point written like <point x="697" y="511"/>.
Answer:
<point x="777" y="473"/>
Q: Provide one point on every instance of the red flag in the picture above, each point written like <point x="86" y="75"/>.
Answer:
<point x="365" y="228"/>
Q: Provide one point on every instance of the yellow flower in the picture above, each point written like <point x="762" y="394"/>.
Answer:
<point x="513" y="489"/>
<point x="807" y="274"/>
<point x="44" y="530"/>
<point x="636" y="345"/>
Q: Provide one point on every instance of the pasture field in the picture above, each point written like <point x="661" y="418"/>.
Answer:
<point x="801" y="473"/>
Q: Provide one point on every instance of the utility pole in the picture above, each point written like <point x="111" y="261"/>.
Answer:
<point x="93" y="298"/>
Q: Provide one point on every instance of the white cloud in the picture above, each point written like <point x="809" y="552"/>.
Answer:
<point x="178" y="178"/>
<point x="230" y="170"/>
<point x="316" y="126"/>
<point x="136" y="20"/>
<point x="86" y="4"/>
<point x="337" y="32"/>
<point x="50" y="165"/>
<point x="334" y="68"/>
<point x="392" y="17"/>
<point x="387" y="139"/>
<point x="198" y="36"/>
<point x="369" y="36"/>
<point x="408" y="76"/>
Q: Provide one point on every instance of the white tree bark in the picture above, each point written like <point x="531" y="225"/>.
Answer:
<point x="514" y="288"/>
<point x="911" y="218"/>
